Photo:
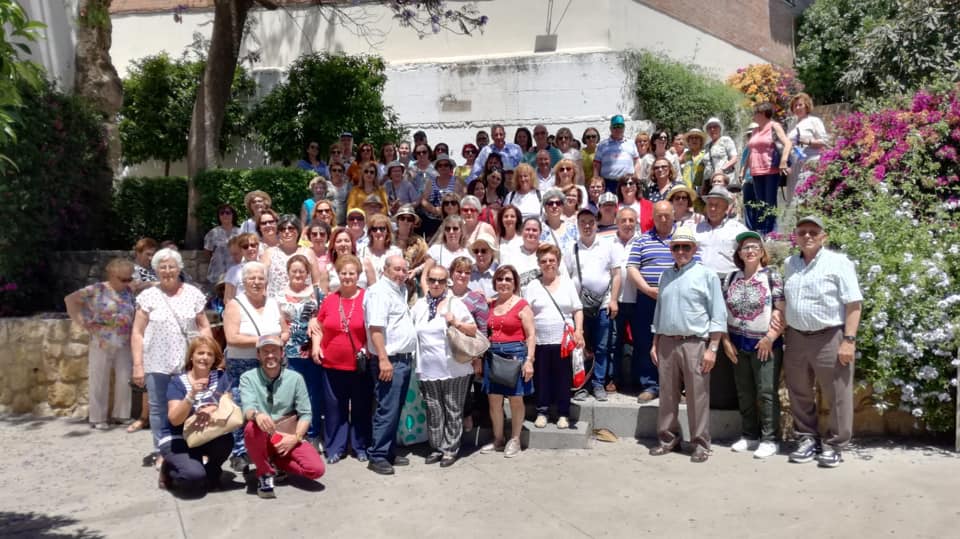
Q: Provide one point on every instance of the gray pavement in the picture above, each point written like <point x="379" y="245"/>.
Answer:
<point x="62" y="479"/>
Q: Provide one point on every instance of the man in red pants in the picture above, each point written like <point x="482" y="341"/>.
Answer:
<point x="269" y="394"/>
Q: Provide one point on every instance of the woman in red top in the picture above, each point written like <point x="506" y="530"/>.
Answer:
<point x="511" y="335"/>
<point x="347" y="393"/>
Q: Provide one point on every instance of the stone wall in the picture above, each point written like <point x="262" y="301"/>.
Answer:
<point x="44" y="365"/>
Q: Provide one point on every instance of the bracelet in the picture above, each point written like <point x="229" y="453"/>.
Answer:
<point x="189" y="399"/>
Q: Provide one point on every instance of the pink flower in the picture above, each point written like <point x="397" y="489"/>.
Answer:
<point x="947" y="153"/>
<point x="879" y="173"/>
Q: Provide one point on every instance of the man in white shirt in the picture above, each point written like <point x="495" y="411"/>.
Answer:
<point x="717" y="234"/>
<point x="593" y="265"/>
<point x="626" y="292"/>
<point x="393" y="340"/>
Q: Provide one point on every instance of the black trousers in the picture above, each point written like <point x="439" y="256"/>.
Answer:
<point x="185" y="464"/>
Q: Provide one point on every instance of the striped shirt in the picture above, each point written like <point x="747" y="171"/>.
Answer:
<point x="817" y="292"/>
<point x="616" y="158"/>
<point x="651" y="255"/>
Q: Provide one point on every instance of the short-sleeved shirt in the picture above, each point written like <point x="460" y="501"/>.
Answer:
<point x="596" y="263"/>
<point x="297" y="310"/>
<point x="528" y="203"/>
<point x="616" y="157"/>
<point x="164" y="343"/>
<point x="651" y="255"/>
<point x="277" y="398"/>
<point x="718" y="153"/>
<point x="405" y="193"/>
<point x="750" y="305"/>
<point x="476" y="304"/>
<point x="385" y="306"/>
<point x="336" y="343"/>
<point x="434" y="359"/>
<point x="110" y="313"/>
<point x="548" y="323"/>
<point x="216" y="242"/>
<point x="444" y="257"/>
<point x="177" y="389"/>
<point x="717" y="244"/>
<point x="816" y="293"/>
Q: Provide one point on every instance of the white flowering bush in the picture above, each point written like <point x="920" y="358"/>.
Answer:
<point x="889" y="193"/>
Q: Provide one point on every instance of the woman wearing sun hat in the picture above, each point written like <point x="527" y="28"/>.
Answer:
<point x="683" y="198"/>
<point x="720" y="149"/>
<point x="693" y="160"/>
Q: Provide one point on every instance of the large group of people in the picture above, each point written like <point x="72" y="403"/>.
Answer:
<point x="548" y="247"/>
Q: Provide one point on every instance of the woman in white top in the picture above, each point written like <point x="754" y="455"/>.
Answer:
<point x="524" y="258"/>
<point x="556" y="229"/>
<point x="443" y="380"/>
<point x="556" y="307"/>
<point x="341" y="243"/>
<point x="375" y="253"/>
<point x="275" y="258"/>
<point x="721" y="150"/>
<point x="167" y="316"/>
<point x="249" y="244"/>
<point x="450" y="244"/>
<point x="526" y="197"/>
<point x="509" y="222"/>
<point x="569" y="172"/>
<point x="810" y="135"/>
<point x="250" y="315"/>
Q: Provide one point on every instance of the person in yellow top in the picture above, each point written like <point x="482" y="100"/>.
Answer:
<point x="590" y="139"/>
<point x="367" y="186"/>
<point x="692" y="161"/>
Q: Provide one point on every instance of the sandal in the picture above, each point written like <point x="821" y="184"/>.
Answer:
<point x="138" y="425"/>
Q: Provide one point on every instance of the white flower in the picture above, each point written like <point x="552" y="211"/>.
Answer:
<point x="907" y="258"/>
<point x="954" y="249"/>
<point x="893" y="278"/>
<point x="917" y="412"/>
<point x="927" y="373"/>
<point x="867" y="236"/>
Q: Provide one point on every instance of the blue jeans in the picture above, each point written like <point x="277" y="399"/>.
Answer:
<point x="644" y="372"/>
<point x="596" y="332"/>
<point x="313" y="377"/>
<point x="386" y="418"/>
<point x="157" y="398"/>
<point x="236" y="368"/>
<point x="765" y="193"/>
<point x="623" y="319"/>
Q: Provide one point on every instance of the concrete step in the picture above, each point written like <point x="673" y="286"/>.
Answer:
<point x="625" y="417"/>
<point x="549" y="437"/>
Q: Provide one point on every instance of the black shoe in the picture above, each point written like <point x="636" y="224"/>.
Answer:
<point x="434" y="458"/>
<point x="381" y="467"/>
<point x="446" y="462"/>
<point x="401" y="461"/>
<point x="239" y="463"/>
<point x="362" y="456"/>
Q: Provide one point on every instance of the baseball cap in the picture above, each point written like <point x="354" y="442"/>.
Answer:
<point x="266" y="340"/>
<point x="617" y="121"/>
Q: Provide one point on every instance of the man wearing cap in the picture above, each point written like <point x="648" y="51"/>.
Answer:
<point x="616" y="156"/>
<point x="541" y="142"/>
<point x="399" y="189"/>
<point x="822" y="314"/>
<point x="692" y="161"/>
<point x="393" y="340"/>
<point x="607" y="205"/>
<point x="688" y="322"/>
<point x="509" y="152"/>
<point x="270" y="393"/>
<point x="346" y="149"/>
<point x="595" y="270"/>
<point x="648" y="258"/>
<point x="717" y="233"/>
<point x="484" y="248"/>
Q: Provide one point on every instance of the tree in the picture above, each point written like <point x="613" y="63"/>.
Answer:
<point x="16" y="30"/>
<point x="324" y="95"/>
<point x="862" y="49"/>
<point x="159" y="93"/>
<point x="230" y="16"/>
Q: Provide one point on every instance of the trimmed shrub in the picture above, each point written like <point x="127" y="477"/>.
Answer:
<point x="286" y="186"/>
<point x="677" y="96"/>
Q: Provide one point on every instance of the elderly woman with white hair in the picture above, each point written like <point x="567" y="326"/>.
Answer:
<point x="470" y="208"/>
<point x="245" y="318"/>
<point x="167" y="317"/>
<point x="721" y="150"/>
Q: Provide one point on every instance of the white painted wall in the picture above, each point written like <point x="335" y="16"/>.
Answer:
<point x="57" y="51"/>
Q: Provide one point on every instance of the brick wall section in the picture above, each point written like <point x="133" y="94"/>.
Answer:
<point x="762" y="27"/>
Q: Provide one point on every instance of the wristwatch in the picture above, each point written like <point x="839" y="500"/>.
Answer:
<point x="850" y="338"/>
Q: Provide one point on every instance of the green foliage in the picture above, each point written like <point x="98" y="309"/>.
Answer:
<point x="859" y="49"/>
<point x="158" y="100"/>
<point x="16" y="30"/>
<point x="57" y="198"/>
<point x="324" y="95"/>
<point x="153" y="207"/>
<point x="677" y="96"/>
<point x="156" y="207"/>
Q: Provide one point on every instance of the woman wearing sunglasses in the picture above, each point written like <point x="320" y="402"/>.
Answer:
<point x="663" y="180"/>
<point x="275" y="258"/>
<point x="375" y="252"/>
<point x="660" y="150"/>
<point x="683" y="198"/>
<point x="368" y="185"/>
<point x="432" y="199"/>
<point x="215" y="242"/>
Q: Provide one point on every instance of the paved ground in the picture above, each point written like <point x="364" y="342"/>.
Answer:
<point x="62" y="479"/>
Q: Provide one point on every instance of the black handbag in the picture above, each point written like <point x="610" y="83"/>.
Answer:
<point x="360" y="356"/>
<point x="504" y="371"/>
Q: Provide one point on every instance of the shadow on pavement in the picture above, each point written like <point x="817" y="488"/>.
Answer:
<point x="42" y="526"/>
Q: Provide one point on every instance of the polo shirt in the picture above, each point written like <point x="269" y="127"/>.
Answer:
<point x="717" y="244"/>
<point x="651" y="255"/>
<point x="816" y="293"/>
<point x="511" y="155"/>
<point x="690" y="302"/>
<point x="616" y="157"/>
<point x="596" y="262"/>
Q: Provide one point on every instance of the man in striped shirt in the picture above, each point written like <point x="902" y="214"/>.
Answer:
<point x="649" y="256"/>
<point x="823" y="303"/>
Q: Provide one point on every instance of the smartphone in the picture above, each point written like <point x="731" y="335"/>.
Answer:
<point x="276" y="438"/>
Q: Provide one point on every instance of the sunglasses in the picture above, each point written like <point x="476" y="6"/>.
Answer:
<point x="444" y="165"/>
<point x="407" y="218"/>
<point x="226" y="212"/>
<point x="629" y="183"/>
<point x="369" y="171"/>
<point x="126" y="280"/>
<point x="323" y="210"/>
<point x="318" y="235"/>
<point x="268" y="223"/>
<point x="661" y="167"/>
<point x="811" y="233"/>
<point x="450" y="203"/>
<point x="288" y="228"/>
<point x="505" y="279"/>
<point x="681" y="197"/>
<point x="565" y="168"/>
<point x="432" y="280"/>
<point x="421" y="152"/>
<point x="681" y="248"/>
<point x="468" y="210"/>
<point x="378" y="229"/>
<point x="441" y="149"/>
<point x="355" y="218"/>
<point x="249" y="245"/>
<point x="335" y="152"/>
<point x="563" y="137"/>
<point x="555" y="203"/>
<point x="340" y="170"/>
<point x="451" y="229"/>
<point x="591" y="137"/>
<point x="481" y="251"/>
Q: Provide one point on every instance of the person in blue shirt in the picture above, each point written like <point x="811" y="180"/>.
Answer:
<point x="311" y="160"/>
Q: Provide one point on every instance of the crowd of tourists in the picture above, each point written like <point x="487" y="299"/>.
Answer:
<point x="523" y="272"/>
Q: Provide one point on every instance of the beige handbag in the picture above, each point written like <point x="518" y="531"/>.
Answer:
<point x="227" y="418"/>
<point x="464" y="347"/>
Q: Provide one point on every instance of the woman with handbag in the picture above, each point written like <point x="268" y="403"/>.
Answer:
<point x="558" y="319"/>
<point x="339" y="348"/>
<point x="443" y="380"/>
<point x="245" y="318"/>
<point x="512" y="344"/>
<point x="198" y="392"/>
<point x="167" y="315"/>
<point x="476" y="302"/>
<point x="768" y="163"/>
<point x="299" y="303"/>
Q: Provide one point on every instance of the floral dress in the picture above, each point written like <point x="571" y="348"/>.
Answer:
<point x="298" y="310"/>
<point x="110" y="314"/>
<point x="216" y="242"/>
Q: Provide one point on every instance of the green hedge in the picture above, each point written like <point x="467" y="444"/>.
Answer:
<point x="157" y="207"/>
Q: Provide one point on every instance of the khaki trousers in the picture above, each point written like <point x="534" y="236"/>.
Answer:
<point x="680" y="358"/>
<point x="99" y="364"/>
<point x="810" y="358"/>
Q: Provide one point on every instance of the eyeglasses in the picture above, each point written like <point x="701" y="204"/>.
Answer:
<point x="378" y="229"/>
<point x="318" y="235"/>
<point x="468" y="210"/>
<point x="340" y="170"/>
<point x="451" y="229"/>
<point x="630" y="183"/>
<point x="469" y="152"/>
<point x="421" y="152"/>
<point x="681" y="248"/>
<point x="369" y="171"/>
<point x="226" y="212"/>
<point x="450" y="203"/>
<point x="271" y="222"/>
<point x="811" y="233"/>
<point x="335" y="152"/>
<point x="323" y="210"/>
<point x="750" y="247"/>
<point x="565" y="168"/>
<point x="355" y="218"/>
<point x="661" y="167"/>
<point x="591" y="137"/>
<point x="288" y="228"/>
<point x="441" y="149"/>
<point x="481" y="251"/>
<point x="432" y="280"/>
<point x="554" y="203"/>
<point x="681" y="197"/>
<point x="366" y="150"/>
<point x="249" y="245"/>
<point x="505" y="279"/>
<point x="406" y="218"/>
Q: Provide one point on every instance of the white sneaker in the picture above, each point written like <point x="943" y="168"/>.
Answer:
<point x="540" y="422"/>
<point x="563" y="423"/>
<point x="512" y="449"/>
<point x="743" y="445"/>
<point x="766" y="449"/>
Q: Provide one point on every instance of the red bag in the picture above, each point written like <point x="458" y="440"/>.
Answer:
<point x="568" y="343"/>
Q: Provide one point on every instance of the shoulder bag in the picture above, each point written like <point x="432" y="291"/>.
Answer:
<point x="360" y="356"/>
<point x="591" y="302"/>
<point x="463" y="346"/>
<point x="225" y="419"/>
